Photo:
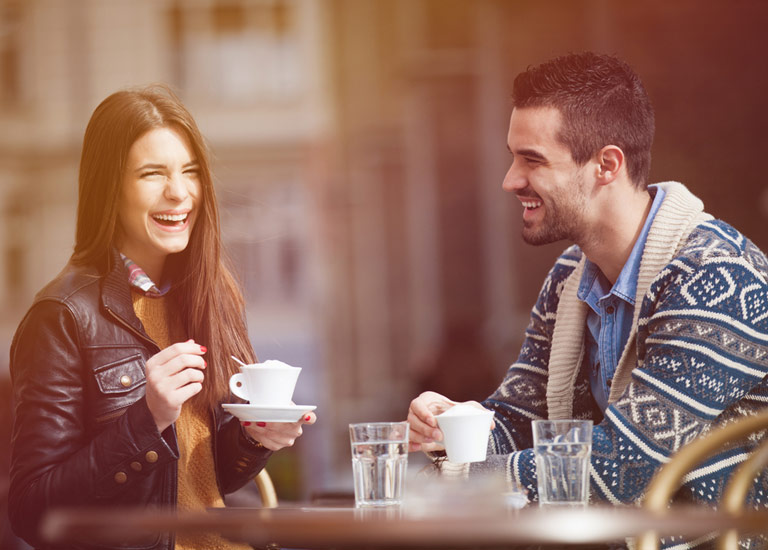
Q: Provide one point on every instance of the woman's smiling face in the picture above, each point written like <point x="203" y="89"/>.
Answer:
<point x="159" y="199"/>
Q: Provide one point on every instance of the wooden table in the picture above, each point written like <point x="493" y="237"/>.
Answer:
<point x="320" y="527"/>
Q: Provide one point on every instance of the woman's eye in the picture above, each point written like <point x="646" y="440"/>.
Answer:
<point x="150" y="174"/>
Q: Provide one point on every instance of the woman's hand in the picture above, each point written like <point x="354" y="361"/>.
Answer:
<point x="277" y="435"/>
<point x="173" y="375"/>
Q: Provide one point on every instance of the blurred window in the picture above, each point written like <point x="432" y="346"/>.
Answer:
<point x="238" y="51"/>
<point x="10" y="51"/>
<point x="265" y="230"/>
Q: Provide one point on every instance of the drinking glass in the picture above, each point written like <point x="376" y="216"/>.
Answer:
<point x="562" y="449"/>
<point x="379" y="462"/>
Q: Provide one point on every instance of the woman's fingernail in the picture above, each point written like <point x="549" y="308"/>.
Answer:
<point x="203" y="349"/>
<point x="307" y="418"/>
<point x="261" y="424"/>
<point x="205" y="363"/>
<point x="246" y="423"/>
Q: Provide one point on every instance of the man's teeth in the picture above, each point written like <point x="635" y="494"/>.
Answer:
<point x="532" y="204"/>
<point x="170" y="217"/>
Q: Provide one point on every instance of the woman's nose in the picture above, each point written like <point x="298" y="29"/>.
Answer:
<point x="176" y="187"/>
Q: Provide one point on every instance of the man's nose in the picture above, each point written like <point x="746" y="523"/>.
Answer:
<point x="514" y="180"/>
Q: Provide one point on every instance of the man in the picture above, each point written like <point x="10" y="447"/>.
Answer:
<point x="654" y="323"/>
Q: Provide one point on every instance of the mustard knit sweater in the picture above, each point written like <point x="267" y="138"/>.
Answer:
<point x="196" y="486"/>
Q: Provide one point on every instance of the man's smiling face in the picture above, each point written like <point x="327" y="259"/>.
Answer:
<point x="549" y="184"/>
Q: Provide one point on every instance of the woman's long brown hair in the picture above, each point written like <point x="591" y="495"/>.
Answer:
<point x="206" y="294"/>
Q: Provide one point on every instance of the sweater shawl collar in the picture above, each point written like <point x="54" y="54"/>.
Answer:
<point x="678" y="215"/>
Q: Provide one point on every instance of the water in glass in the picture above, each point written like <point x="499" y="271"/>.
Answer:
<point x="563" y="473"/>
<point x="379" y="469"/>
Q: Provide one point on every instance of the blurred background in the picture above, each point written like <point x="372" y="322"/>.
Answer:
<point x="359" y="149"/>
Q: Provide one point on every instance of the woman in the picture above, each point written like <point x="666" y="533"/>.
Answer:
<point x="121" y="364"/>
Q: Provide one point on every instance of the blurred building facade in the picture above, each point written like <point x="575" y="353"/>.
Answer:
<point x="254" y="75"/>
<point x="359" y="205"/>
<point x="359" y="151"/>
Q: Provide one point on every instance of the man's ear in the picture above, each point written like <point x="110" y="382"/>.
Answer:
<point x="610" y="161"/>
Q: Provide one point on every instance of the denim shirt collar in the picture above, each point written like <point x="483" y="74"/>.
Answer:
<point x="593" y="284"/>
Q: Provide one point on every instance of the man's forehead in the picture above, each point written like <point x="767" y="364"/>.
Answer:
<point x="534" y="128"/>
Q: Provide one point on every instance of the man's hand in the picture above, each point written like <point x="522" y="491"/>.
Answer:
<point x="173" y="376"/>
<point x="424" y="433"/>
<point x="277" y="435"/>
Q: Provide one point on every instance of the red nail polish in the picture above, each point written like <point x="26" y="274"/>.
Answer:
<point x="261" y="424"/>
<point x="246" y="423"/>
<point x="307" y="418"/>
<point x="205" y="362"/>
<point x="203" y="349"/>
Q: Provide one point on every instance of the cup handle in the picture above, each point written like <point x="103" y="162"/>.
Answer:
<point x="237" y="385"/>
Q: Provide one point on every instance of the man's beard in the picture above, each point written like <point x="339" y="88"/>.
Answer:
<point x="549" y="231"/>
<point x="562" y="221"/>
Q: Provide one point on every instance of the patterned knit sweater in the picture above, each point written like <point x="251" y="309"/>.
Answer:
<point x="697" y="358"/>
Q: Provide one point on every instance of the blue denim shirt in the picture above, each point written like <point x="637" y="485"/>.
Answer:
<point x="609" y="320"/>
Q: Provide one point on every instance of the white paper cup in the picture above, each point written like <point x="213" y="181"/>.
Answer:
<point x="465" y="432"/>
<point x="270" y="383"/>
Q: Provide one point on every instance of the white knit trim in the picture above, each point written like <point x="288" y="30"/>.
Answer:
<point x="507" y="435"/>
<point x="454" y="470"/>
<point x="564" y="261"/>
<point x="515" y="464"/>
<point x="712" y="354"/>
<point x="599" y="481"/>
<point x="567" y="347"/>
<point x="679" y="213"/>
<point x="758" y="398"/>
<point x="531" y="368"/>
<point x="717" y="229"/>
<point x="743" y="303"/>
<point x="721" y="317"/>
<point x="633" y="437"/>
<point x="729" y="462"/>
<point x="741" y="262"/>
<point x="651" y="381"/>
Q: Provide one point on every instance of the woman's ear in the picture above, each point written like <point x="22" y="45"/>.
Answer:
<point x="610" y="161"/>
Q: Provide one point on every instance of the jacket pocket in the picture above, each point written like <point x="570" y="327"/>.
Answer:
<point x="119" y="383"/>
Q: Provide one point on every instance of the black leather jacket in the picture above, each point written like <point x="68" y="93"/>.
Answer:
<point x="83" y="435"/>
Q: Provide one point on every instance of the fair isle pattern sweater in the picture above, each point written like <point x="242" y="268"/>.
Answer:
<point x="697" y="358"/>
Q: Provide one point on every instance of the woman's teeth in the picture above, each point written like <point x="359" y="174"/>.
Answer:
<point x="170" y="218"/>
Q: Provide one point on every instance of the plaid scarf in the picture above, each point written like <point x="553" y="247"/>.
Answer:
<point x="139" y="279"/>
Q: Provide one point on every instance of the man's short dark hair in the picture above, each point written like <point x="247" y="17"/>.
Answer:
<point x="602" y="102"/>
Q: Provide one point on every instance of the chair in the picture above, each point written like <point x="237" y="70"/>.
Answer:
<point x="669" y="477"/>
<point x="266" y="489"/>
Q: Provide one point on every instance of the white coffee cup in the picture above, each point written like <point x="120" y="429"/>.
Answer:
<point x="269" y="383"/>
<point x="465" y="432"/>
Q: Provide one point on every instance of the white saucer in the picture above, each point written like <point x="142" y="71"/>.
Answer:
<point x="266" y="413"/>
